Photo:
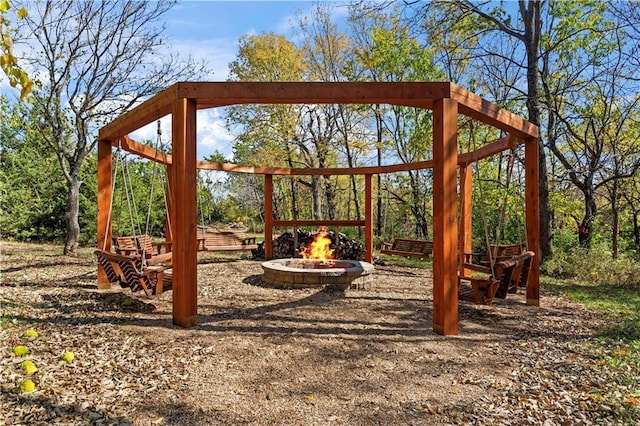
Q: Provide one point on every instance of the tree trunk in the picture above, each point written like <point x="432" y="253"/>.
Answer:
<point x="71" y="218"/>
<point x="590" y="209"/>
<point x="330" y="195"/>
<point x="530" y="11"/>
<point x="317" y="199"/>
<point x="615" y="219"/>
<point x="636" y="233"/>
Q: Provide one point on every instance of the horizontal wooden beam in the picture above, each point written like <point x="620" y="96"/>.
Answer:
<point x="338" y="171"/>
<point x="486" y="151"/>
<point x="216" y="94"/>
<point x="144" y="151"/>
<point x="147" y="112"/>
<point x="318" y="223"/>
<point x="487" y="112"/>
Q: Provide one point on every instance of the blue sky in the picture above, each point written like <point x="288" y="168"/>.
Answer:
<point x="210" y="30"/>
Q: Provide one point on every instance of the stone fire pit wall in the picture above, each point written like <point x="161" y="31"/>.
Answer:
<point x="299" y="273"/>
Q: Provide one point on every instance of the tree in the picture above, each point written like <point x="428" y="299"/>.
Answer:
<point x="391" y="54"/>
<point x="529" y="33"/>
<point x="97" y="59"/>
<point x="8" y="62"/>
<point x="267" y="132"/>
<point x="592" y="107"/>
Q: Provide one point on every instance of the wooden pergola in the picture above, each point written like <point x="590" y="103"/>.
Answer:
<point x="445" y="99"/>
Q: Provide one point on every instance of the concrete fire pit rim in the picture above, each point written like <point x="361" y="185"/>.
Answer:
<point x="359" y="267"/>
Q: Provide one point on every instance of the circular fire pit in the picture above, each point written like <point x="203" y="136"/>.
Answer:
<point x="305" y="273"/>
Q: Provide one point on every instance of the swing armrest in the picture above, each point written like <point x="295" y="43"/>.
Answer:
<point x="478" y="268"/>
<point x="159" y="258"/>
<point x="163" y="246"/>
<point x="470" y="257"/>
<point x="153" y="271"/>
<point x="123" y="251"/>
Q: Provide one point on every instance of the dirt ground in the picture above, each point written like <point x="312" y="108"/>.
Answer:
<point x="264" y="356"/>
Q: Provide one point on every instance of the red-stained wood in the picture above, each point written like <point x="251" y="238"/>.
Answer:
<point x="317" y="222"/>
<point x="532" y="210"/>
<point x="168" y="231"/>
<point x="142" y="150"/>
<point x="326" y="171"/>
<point x="414" y="94"/>
<point x="230" y="93"/>
<point x="105" y="188"/>
<point x="489" y="150"/>
<point x="268" y="217"/>
<point x="466" y="205"/>
<point x="368" y="217"/>
<point x="445" y="276"/>
<point x="147" y="112"/>
<point x="446" y="100"/>
<point x="183" y="214"/>
<point x="487" y="112"/>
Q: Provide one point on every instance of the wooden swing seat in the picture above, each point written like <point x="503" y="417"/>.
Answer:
<point x="126" y="270"/>
<point x="497" y="252"/>
<point x="135" y="245"/>
<point x="510" y="274"/>
<point x="225" y="241"/>
<point x="405" y="247"/>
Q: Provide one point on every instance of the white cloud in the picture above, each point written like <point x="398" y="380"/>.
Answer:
<point x="212" y="133"/>
<point x="216" y="53"/>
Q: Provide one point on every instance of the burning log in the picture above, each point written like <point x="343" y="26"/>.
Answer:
<point x="284" y="246"/>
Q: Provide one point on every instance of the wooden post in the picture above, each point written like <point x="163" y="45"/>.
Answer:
<point x="184" y="218"/>
<point x="368" y="217"/>
<point x="445" y="157"/>
<point x="105" y="188"/>
<point x="466" y="202"/>
<point x="532" y="203"/>
<point x="168" y="233"/>
<point x="268" y="217"/>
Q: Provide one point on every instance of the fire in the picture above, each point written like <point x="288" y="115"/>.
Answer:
<point x="319" y="247"/>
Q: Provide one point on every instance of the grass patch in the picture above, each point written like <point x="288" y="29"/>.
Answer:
<point x="618" y="303"/>
<point x="404" y="261"/>
<point x="617" y="345"/>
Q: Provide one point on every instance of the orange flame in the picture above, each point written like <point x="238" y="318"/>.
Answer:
<point x="319" y="247"/>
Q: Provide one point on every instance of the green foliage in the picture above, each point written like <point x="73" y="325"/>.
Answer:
<point x="138" y="197"/>
<point x="595" y="266"/>
<point x="33" y="189"/>
<point x="17" y="76"/>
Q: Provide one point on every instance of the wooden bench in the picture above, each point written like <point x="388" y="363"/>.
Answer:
<point x="405" y="247"/>
<point x="225" y="241"/>
<point x="136" y="245"/>
<point x="127" y="270"/>
<point x="508" y="276"/>
<point x="498" y="253"/>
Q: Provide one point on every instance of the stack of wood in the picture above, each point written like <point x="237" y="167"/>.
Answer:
<point x="284" y="246"/>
